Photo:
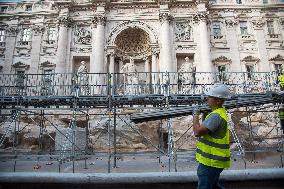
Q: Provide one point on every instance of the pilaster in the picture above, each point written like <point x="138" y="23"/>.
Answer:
<point x="36" y="47"/>
<point x="12" y="32"/>
<point x="258" y="24"/>
<point x="64" y="23"/>
<point x="233" y="43"/>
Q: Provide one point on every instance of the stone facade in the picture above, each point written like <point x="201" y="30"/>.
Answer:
<point x="158" y="35"/>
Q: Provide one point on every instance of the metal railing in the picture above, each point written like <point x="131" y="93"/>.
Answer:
<point x="137" y="83"/>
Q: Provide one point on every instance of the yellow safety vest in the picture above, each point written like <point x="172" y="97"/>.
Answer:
<point x="281" y="80"/>
<point x="214" y="152"/>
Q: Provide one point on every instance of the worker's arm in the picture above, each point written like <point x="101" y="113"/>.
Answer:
<point x="198" y="129"/>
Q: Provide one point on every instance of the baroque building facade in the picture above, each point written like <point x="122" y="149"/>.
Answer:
<point x="156" y="35"/>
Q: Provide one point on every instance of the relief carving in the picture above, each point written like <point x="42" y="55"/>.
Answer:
<point x="183" y="31"/>
<point x="82" y="36"/>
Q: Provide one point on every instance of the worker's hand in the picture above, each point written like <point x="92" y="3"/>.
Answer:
<point x="196" y="111"/>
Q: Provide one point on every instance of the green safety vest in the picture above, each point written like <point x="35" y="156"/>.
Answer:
<point x="281" y="80"/>
<point x="214" y="152"/>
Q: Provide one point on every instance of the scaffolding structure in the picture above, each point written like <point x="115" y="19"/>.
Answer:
<point x="112" y="98"/>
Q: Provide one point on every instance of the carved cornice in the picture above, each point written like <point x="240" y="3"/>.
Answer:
<point x="221" y="60"/>
<point x="258" y="23"/>
<point x="99" y="19"/>
<point x="47" y="64"/>
<point x="65" y="21"/>
<point x="277" y="58"/>
<point x="201" y="16"/>
<point x="165" y="16"/>
<point x="20" y="65"/>
<point x="230" y="23"/>
<point x="250" y="59"/>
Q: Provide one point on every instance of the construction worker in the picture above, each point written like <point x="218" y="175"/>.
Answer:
<point x="213" y="150"/>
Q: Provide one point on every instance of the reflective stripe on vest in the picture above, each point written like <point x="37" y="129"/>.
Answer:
<point x="212" y="151"/>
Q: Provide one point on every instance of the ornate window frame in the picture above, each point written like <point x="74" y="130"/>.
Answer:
<point x="222" y="61"/>
<point x="250" y="62"/>
<point x="277" y="60"/>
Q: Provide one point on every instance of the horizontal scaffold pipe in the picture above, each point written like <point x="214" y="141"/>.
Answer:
<point x="236" y="101"/>
<point x="136" y="178"/>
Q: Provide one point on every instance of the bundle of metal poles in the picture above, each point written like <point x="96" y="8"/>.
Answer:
<point x="236" y="101"/>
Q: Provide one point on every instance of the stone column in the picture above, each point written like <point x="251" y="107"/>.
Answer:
<point x="97" y="66"/>
<point x="154" y="70"/>
<point x="36" y="47"/>
<point x="92" y="57"/>
<point x="10" y="46"/>
<point x="64" y="23"/>
<point x="232" y="39"/>
<point x="147" y="65"/>
<point x="205" y="64"/>
<point x="147" y="71"/>
<point x="204" y="43"/>
<point x="166" y="42"/>
<point x="111" y="63"/>
<point x="258" y="24"/>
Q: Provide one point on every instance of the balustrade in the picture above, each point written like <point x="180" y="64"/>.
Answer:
<point x="134" y="83"/>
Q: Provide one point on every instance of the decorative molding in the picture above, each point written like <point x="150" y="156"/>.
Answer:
<point x="258" y="23"/>
<point x="20" y="65"/>
<point x="99" y="19"/>
<point x="47" y="64"/>
<point x="230" y="23"/>
<point x="65" y="21"/>
<point x="183" y="31"/>
<point x="277" y="58"/>
<point x="12" y="31"/>
<point x="38" y="29"/>
<point x="165" y="16"/>
<point x="201" y="16"/>
<point x="132" y="24"/>
<point x="250" y="60"/>
<point x="221" y="60"/>
<point x="82" y="36"/>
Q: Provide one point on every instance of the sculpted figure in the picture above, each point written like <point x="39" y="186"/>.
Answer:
<point x="187" y="74"/>
<point x="82" y="78"/>
<point x="130" y="76"/>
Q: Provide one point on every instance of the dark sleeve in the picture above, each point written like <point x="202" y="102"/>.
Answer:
<point x="213" y="122"/>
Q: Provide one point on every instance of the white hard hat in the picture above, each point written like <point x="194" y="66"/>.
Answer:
<point x="218" y="90"/>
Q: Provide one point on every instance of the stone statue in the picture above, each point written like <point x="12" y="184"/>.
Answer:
<point x="82" y="78"/>
<point x="130" y="76"/>
<point x="82" y="68"/>
<point x="187" y="74"/>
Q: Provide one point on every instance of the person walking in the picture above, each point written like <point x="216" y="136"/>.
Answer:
<point x="213" y="150"/>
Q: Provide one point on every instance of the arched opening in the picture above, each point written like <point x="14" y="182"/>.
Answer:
<point x="133" y="42"/>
